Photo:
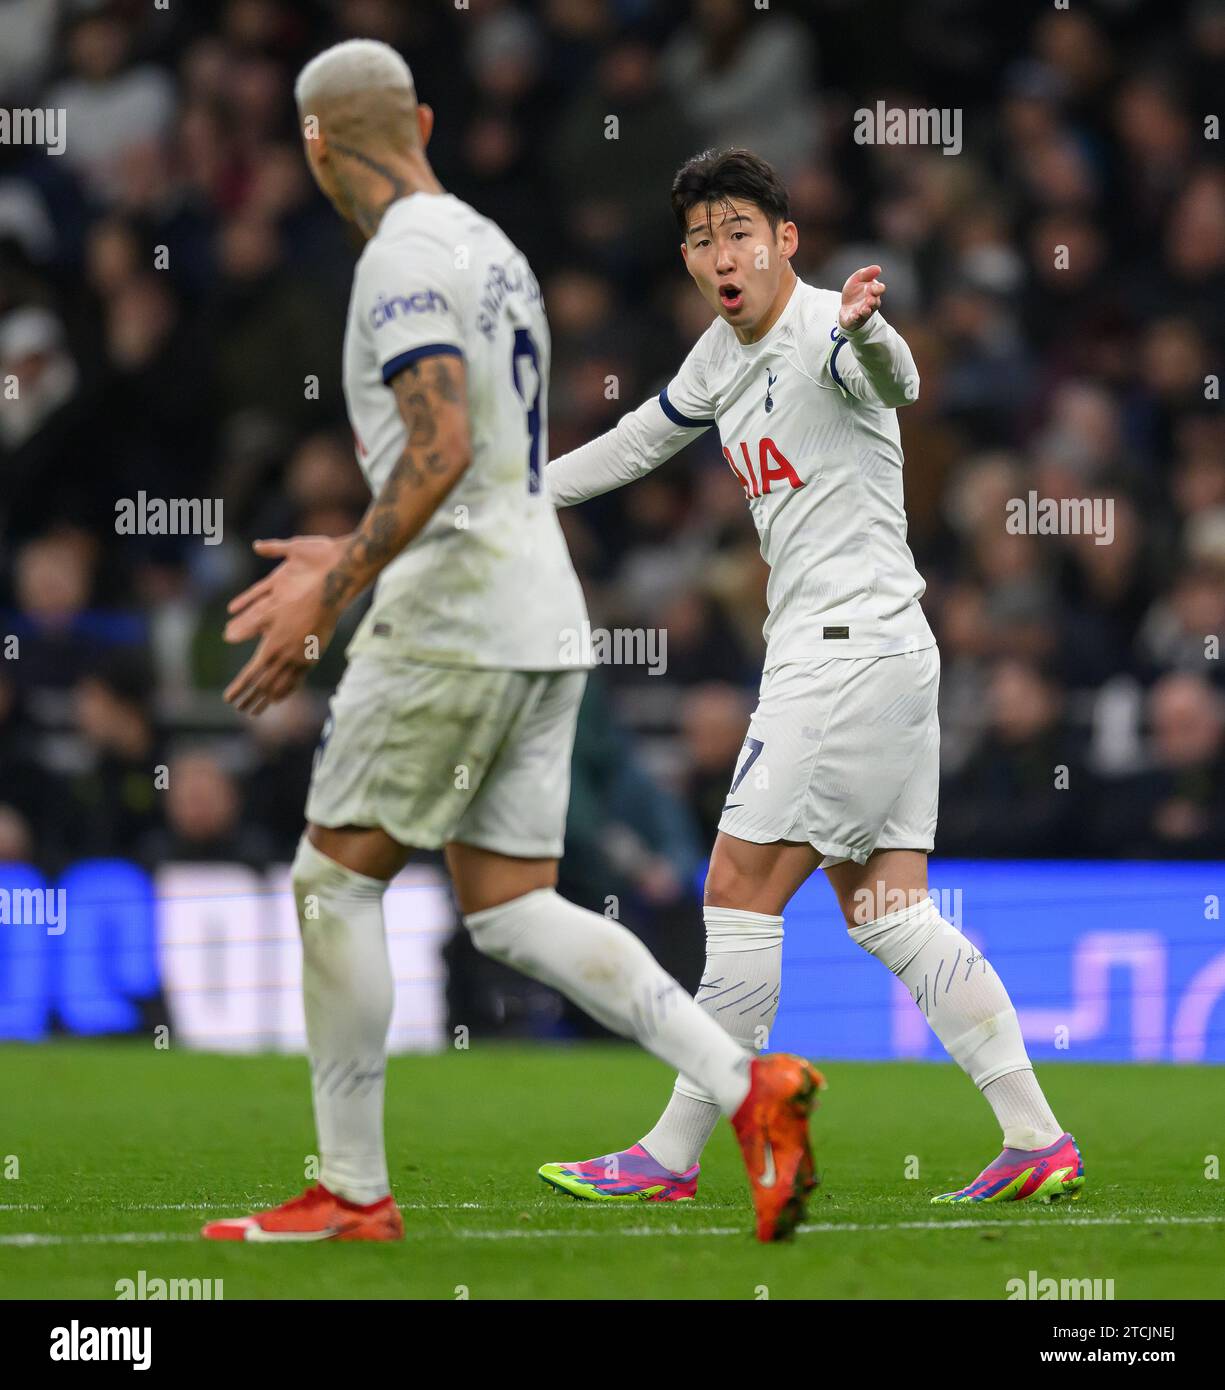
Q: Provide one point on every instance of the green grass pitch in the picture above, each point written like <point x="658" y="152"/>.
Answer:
<point x="121" y="1151"/>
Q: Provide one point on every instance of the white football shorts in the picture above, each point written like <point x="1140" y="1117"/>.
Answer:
<point x="433" y="754"/>
<point x="842" y="753"/>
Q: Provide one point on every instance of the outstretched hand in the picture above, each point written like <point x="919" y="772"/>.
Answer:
<point x="286" y="610"/>
<point x="861" y="296"/>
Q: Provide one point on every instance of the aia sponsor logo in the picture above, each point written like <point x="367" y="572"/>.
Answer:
<point x="772" y="467"/>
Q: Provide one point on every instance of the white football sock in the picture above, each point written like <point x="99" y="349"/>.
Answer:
<point x="608" y="972"/>
<point x="739" y="990"/>
<point x="348" y="990"/>
<point x="968" y="1009"/>
<point x="1024" y="1115"/>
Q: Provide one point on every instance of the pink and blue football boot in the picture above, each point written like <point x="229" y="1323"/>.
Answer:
<point x="1018" y="1175"/>
<point x="629" y="1176"/>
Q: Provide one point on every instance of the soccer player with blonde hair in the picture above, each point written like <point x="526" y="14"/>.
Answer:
<point x="453" y="725"/>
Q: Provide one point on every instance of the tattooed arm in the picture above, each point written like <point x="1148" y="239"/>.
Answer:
<point x="295" y="609"/>
<point x="432" y="396"/>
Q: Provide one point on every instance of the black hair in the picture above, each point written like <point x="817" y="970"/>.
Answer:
<point x="717" y="176"/>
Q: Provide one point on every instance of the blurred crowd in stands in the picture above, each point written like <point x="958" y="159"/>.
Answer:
<point x="172" y="297"/>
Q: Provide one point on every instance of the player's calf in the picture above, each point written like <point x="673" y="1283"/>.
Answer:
<point x="967" y="1007"/>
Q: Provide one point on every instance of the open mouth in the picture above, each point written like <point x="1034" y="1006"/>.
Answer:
<point x="731" y="296"/>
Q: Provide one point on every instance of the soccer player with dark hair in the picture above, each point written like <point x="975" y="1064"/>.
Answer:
<point x="840" y="767"/>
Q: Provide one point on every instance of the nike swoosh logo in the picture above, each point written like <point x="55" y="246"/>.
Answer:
<point x="731" y="805"/>
<point x="262" y="1237"/>
<point x="768" y="1175"/>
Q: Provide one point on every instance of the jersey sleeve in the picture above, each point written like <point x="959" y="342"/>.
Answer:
<point x="872" y="363"/>
<point x="685" y="400"/>
<point x="638" y="443"/>
<point x="410" y="303"/>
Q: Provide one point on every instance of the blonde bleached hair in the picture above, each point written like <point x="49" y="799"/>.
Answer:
<point x="352" y="68"/>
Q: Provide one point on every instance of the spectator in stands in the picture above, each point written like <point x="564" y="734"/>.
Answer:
<point x="16" y="838"/>
<point x="745" y="83"/>
<point x="45" y="425"/>
<point x="1176" y="809"/>
<point x="1024" y="792"/>
<point x="119" y="113"/>
<point x="60" y="637"/>
<point x="110" y="800"/>
<point x="276" y="786"/>
<point x="1062" y="284"/>
<point x="714" y="721"/>
<point x="1184" y="628"/>
<point x="30" y="791"/>
<point x="202" y="816"/>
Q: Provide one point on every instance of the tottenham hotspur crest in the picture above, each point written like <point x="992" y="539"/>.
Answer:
<point x="771" y="378"/>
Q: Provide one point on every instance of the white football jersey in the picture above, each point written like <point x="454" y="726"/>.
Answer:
<point x="808" y="424"/>
<point x="488" y="582"/>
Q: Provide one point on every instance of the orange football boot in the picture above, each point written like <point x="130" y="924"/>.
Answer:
<point x="772" y="1126"/>
<point x="317" y="1215"/>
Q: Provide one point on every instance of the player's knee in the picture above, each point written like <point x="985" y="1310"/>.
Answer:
<point x="526" y="933"/>
<point x="736" y="929"/>
<point x="727" y="885"/>
<point x="503" y="933"/>
<point x="898" y="937"/>
<point x="313" y="874"/>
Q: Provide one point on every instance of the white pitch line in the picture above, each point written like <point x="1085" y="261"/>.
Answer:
<point x="31" y="1238"/>
<point x="101" y="1238"/>
<point x="230" y="1206"/>
<point x="857" y="1226"/>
